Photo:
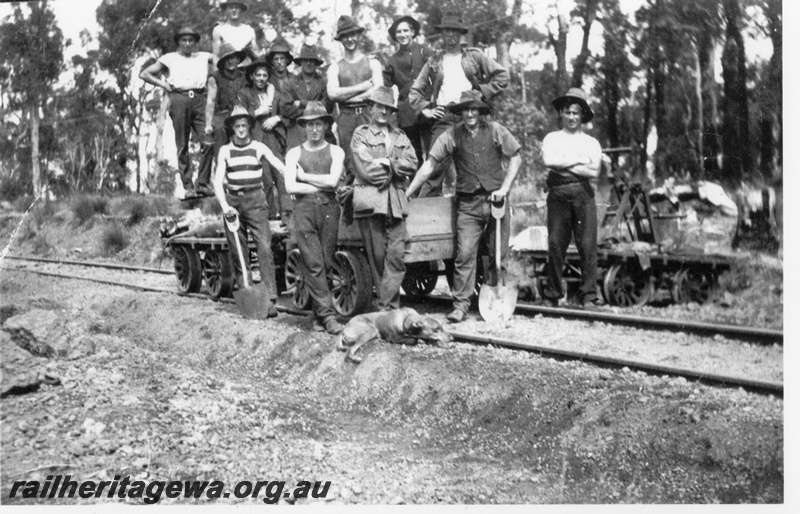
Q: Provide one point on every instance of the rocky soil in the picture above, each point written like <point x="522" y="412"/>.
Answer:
<point x="101" y="381"/>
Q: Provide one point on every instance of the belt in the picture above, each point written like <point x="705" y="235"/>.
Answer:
<point x="556" y="180"/>
<point x="479" y="192"/>
<point x="356" y="108"/>
<point x="242" y="192"/>
<point x="191" y="93"/>
<point x="328" y="195"/>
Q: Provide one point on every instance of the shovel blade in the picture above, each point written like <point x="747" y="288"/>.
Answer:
<point x="253" y="302"/>
<point x="497" y="303"/>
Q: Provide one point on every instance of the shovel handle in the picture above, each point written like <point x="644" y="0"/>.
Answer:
<point x="233" y="226"/>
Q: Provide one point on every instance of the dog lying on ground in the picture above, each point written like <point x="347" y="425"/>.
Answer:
<point x="401" y="326"/>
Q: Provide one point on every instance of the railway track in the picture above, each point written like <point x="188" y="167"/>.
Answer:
<point x="759" y="386"/>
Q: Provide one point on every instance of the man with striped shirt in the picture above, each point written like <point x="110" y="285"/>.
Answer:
<point x="239" y="189"/>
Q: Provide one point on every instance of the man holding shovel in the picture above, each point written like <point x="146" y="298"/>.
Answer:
<point x="487" y="160"/>
<point x="239" y="189"/>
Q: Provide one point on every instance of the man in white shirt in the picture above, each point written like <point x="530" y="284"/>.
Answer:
<point x="232" y="31"/>
<point x="182" y="74"/>
<point x="573" y="160"/>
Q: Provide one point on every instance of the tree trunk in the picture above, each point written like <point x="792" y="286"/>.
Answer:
<point x="560" y="48"/>
<point x="35" y="171"/>
<point x="772" y="116"/>
<point x="710" y="100"/>
<point x="583" y="57"/>
<point x="735" y="136"/>
<point x="698" y="90"/>
<point x="501" y="46"/>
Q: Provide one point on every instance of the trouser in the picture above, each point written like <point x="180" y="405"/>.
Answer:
<point x="434" y="185"/>
<point x="571" y="210"/>
<point x="420" y="137"/>
<point x="349" y="119"/>
<point x="385" y="241"/>
<point x="271" y="178"/>
<point x="211" y="146"/>
<point x="316" y="225"/>
<point x="253" y="218"/>
<point x="188" y="114"/>
<point x="474" y="222"/>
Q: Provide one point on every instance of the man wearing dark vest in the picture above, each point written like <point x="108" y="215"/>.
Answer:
<point x="401" y="69"/>
<point x="186" y="73"/>
<point x="447" y="74"/>
<point x="313" y="170"/>
<point x="306" y="86"/>
<point x="224" y="86"/>
<point x="487" y="160"/>
<point x="238" y="188"/>
<point x="383" y="160"/>
<point x="351" y="81"/>
<point x="279" y="57"/>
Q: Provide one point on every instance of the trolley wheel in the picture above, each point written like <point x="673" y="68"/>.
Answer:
<point x="352" y="283"/>
<point x="218" y="273"/>
<point x="188" y="270"/>
<point x="627" y="285"/>
<point x="420" y="279"/>
<point x="295" y="281"/>
<point x="692" y="284"/>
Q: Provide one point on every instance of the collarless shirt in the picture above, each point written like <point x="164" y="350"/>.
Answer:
<point x="186" y="72"/>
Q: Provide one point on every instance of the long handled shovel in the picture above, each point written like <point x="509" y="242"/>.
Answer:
<point x="497" y="303"/>
<point x="252" y="300"/>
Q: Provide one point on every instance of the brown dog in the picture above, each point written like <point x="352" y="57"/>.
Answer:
<point x="402" y="326"/>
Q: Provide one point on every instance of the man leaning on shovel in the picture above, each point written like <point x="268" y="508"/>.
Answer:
<point x="239" y="189"/>
<point x="487" y="160"/>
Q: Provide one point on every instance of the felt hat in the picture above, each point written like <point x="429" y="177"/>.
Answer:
<point x="314" y="111"/>
<point x="239" y="112"/>
<point x="383" y="96"/>
<point x="414" y="24"/>
<point x="187" y="31"/>
<point x="471" y="99"/>
<point x="452" y="21"/>
<point x="346" y="25"/>
<point x="227" y="50"/>
<point x="309" y="53"/>
<point x="258" y="62"/>
<point x="225" y="5"/>
<point x="279" y="46"/>
<point x="577" y="96"/>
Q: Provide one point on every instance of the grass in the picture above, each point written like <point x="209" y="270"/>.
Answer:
<point x="114" y="239"/>
<point x="85" y="207"/>
<point x="138" y="211"/>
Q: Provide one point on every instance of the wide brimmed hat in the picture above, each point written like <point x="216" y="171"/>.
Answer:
<point x="241" y="5"/>
<point x="239" y="112"/>
<point x="414" y="24"/>
<point x="346" y="25"/>
<point x="384" y="96"/>
<point x="309" y="53"/>
<point x="575" y="95"/>
<point x="314" y="111"/>
<point x="187" y="31"/>
<point x="452" y="21"/>
<point x="258" y="62"/>
<point x="471" y="100"/>
<point x="227" y="50"/>
<point x="279" y="46"/>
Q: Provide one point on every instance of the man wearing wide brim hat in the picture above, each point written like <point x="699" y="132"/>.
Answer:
<point x="383" y="162"/>
<point x="573" y="159"/>
<point x="305" y="86"/>
<point x="224" y="85"/>
<point x="313" y="170"/>
<point x="351" y="81"/>
<point x="434" y="89"/>
<point x="400" y="70"/>
<point x="233" y="31"/>
<point x="238" y="188"/>
<point x="481" y="177"/>
<point x="182" y="75"/>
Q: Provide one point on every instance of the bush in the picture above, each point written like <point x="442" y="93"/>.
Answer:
<point x="85" y="207"/>
<point x="114" y="239"/>
<point x="40" y="245"/>
<point x="139" y="209"/>
<point x="13" y="188"/>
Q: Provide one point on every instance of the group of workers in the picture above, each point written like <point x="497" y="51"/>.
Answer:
<point x="413" y="126"/>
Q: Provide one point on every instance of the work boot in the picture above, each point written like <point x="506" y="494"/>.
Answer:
<point x="456" y="316"/>
<point x="204" y="190"/>
<point x="272" y="312"/>
<point x="332" y="326"/>
<point x="190" y="194"/>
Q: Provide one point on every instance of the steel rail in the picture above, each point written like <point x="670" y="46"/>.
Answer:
<point x="753" y="334"/>
<point x="91" y="264"/>
<point x="759" y="386"/>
